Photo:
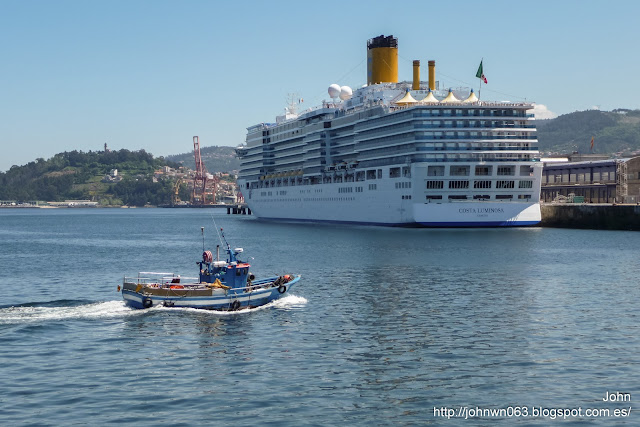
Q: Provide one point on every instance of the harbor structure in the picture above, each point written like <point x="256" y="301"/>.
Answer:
<point x="596" y="181"/>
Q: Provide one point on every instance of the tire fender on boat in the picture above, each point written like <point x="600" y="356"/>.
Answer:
<point x="282" y="289"/>
<point x="236" y="305"/>
<point x="147" y="302"/>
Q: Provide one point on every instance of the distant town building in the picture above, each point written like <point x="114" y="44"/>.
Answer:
<point x="112" y="177"/>
<point x="595" y="181"/>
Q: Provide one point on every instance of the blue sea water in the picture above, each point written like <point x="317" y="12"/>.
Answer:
<point x="387" y="327"/>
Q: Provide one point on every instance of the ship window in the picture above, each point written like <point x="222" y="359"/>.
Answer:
<point x="505" y="184"/>
<point x="525" y="184"/>
<point x="459" y="171"/>
<point x="435" y="184"/>
<point x="483" y="170"/>
<point x="394" y="173"/>
<point x="458" y="184"/>
<point x="379" y="173"/>
<point x="435" y="171"/>
<point x="360" y="176"/>
<point x="524" y="196"/>
<point x="434" y="197"/>
<point x="504" y="196"/>
<point x="371" y="174"/>
<point x="457" y="197"/>
<point x="373" y="186"/>
<point x="506" y="170"/>
<point x="406" y="172"/>
<point x="481" y="184"/>
<point x="526" y="171"/>
<point x="481" y="197"/>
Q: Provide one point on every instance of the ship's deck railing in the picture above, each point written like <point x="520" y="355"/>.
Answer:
<point x="156" y="277"/>
<point x="463" y="104"/>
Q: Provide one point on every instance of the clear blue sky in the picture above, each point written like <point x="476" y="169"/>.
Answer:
<point x="151" y="74"/>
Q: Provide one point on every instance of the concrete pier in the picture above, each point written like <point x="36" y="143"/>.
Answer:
<point x="593" y="216"/>
<point x="241" y="209"/>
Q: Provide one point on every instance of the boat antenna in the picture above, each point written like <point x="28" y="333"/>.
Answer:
<point x="202" y="231"/>
<point x="216" y="227"/>
<point x="225" y="240"/>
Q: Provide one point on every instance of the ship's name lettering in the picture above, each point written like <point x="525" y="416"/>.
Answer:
<point x="480" y="210"/>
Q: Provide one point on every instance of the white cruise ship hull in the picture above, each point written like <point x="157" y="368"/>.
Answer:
<point x="386" y="202"/>
<point x="476" y="214"/>
<point x="472" y="214"/>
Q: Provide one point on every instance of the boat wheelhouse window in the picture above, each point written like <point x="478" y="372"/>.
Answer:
<point x="360" y="176"/>
<point x="371" y="174"/>
<point x="435" y="171"/>
<point x="434" y="197"/>
<point x="457" y="197"/>
<point x="459" y="171"/>
<point x="458" y="184"/>
<point x="394" y="173"/>
<point x="435" y="184"/>
<point x="525" y="184"/>
<point x="504" y="196"/>
<point x="483" y="170"/>
<point x="481" y="184"/>
<point x="506" y="170"/>
<point x="526" y="171"/>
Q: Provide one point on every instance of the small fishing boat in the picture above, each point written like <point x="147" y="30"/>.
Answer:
<point x="221" y="285"/>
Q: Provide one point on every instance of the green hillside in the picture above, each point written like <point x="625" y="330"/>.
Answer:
<point x="78" y="175"/>
<point x="216" y="159"/>
<point x="615" y="132"/>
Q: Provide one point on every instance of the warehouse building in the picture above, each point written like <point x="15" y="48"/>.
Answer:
<point x="596" y="181"/>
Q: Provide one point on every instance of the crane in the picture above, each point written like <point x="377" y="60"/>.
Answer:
<point x="204" y="184"/>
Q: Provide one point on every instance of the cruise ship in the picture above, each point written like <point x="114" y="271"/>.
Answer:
<point x="396" y="154"/>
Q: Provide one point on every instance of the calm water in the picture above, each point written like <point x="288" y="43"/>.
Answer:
<point x="386" y="325"/>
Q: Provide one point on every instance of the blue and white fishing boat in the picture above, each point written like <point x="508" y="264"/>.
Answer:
<point x="221" y="285"/>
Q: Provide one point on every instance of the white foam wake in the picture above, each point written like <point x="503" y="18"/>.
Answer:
<point x="86" y="311"/>
<point x="287" y="303"/>
<point x="110" y="309"/>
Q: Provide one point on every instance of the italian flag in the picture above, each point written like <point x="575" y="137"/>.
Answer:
<point x="480" y="74"/>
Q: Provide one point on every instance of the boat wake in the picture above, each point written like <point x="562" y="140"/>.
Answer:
<point x="290" y="302"/>
<point x="70" y="310"/>
<point x="63" y="310"/>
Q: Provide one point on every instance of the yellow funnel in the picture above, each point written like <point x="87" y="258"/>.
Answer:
<point x="382" y="60"/>
<point x="432" y="75"/>
<point x="416" y="75"/>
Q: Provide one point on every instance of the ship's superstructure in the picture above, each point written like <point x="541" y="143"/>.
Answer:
<point x="396" y="153"/>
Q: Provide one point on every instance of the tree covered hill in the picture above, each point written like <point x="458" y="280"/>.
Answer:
<point x="615" y="132"/>
<point x="216" y="159"/>
<point x="78" y="175"/>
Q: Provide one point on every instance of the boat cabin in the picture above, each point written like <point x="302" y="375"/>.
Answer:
<point x="232" y="273"/>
